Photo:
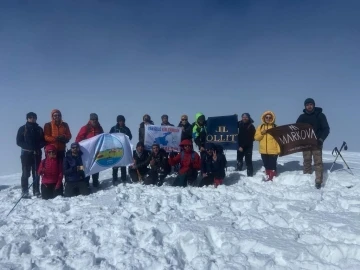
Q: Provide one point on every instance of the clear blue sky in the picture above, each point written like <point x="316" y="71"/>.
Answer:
<point x="175" y="57"/>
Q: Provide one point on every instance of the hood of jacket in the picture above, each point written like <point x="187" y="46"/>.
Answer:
<point x="266" y="113"/>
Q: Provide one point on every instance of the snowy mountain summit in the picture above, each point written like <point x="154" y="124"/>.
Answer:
<point x="244" y="224"/>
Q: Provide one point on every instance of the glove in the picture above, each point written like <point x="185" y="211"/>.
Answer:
<point x="320" y="142"/>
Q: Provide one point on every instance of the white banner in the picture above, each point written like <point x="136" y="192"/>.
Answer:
<point x="168" y="137"/>
<point x="105" y="151"/>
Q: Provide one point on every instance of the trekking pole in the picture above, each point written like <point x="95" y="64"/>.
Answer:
<point x="337" y="151"/>
<point x="346" y="163"/>
<point x="18" y="202"/>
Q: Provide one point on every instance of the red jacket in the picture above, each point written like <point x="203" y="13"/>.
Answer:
<point x="51" y="170"/>
<point x="88" y="131"/>
<point x="186" y="163"/>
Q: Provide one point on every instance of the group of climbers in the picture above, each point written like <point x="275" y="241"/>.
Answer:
<point x="152" y="167"/>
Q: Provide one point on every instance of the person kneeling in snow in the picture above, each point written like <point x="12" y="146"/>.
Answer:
<point x="189" y="164"/>
<point x="212" y="166"/>
<point x="51" y="171"/>
<point x="159" y="166"/>
<point x="139" y="169"/>
<point x="75" y="182"/>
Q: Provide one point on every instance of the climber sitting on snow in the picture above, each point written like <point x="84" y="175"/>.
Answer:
<point x="189" y="164"/>
<point x="212" y="166"/>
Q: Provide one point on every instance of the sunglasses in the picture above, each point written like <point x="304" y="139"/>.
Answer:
<point x="268" y="117"/>
<point x="51" y="152"/>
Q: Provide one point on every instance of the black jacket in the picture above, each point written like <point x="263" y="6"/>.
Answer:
<point x="161" y="162"/>
<point x="317" y="120"/>
<point x="214" y="168"/>
<point x="187" y="133"/>
<point x="142" y="161"/>
<point x="142" y="131"/>
<point x="124" y="129"/>
<point x="246" y="133"/>
<point x="70" y="164"/>
<point x="30" y="137"/>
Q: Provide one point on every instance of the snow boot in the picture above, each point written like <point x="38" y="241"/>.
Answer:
<point x="239" y="166"/>
<point x="217" y="182"/>
<point x="272" y="174"/>
<point x="249" y="172"/>
<point x="25" y="195"/>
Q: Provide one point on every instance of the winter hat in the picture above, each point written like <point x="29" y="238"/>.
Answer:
<point x="75" y="144"/>
<point x="309" y="100"/>
<point x="184" y="116"/>
<point x="31" y="115"/>
<point x="146" y="116"/>
<point x="164" y="116"/>
<point x="120" y="118"/>
<point x="93" y="116"/>
<point x="140" y="144"/>
<point x="50" y="147"/>
<point x="248" y="116"/>
<point x="55" y="111"/>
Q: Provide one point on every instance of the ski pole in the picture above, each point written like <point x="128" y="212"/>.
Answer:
<point x="18" y="201"/>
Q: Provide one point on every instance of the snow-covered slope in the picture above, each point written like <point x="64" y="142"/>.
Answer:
<point x="245" y="224"/>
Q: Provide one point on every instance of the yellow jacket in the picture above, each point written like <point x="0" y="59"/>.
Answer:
<point x="267" y="143"/>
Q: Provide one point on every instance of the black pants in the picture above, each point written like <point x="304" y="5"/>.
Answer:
<point x="247" y="153"/>
<point x="76" y="188"/>
<point x="155" y="178"/>
<point x="135" y="176"/>
<point x="115" y="173"/>
<point x="270" y="161"/>
<point x="30" y="163"/>
<point x="95" y="179"/>
<point x="48" y="191"/>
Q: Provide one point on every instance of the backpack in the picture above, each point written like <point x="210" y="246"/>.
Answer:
<point x="192" y="156"/>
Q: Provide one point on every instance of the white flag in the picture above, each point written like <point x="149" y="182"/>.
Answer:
<point x="105" y="151"/>
<point x="168" y="137"/>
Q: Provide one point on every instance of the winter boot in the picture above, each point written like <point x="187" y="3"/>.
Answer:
<point x="239" y="166"/>
<point x="249" y="172"/>
<point x="25" y="194"/>
<point x="217" y="182"/>
<point x="272" y="174"/>
<point x="36" y="189"/>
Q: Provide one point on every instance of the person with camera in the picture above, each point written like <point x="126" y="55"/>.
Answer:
<point x="75" y="182"/>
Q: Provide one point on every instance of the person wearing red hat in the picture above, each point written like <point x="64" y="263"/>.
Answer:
<point x="51" y="172"/>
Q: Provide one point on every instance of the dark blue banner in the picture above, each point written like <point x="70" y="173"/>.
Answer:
<point x="223" y="130"/>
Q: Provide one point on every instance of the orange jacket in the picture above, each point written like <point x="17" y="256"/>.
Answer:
<point x="53" y="131"/>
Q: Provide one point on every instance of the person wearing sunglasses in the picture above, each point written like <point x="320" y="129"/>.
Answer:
<point x="51" y="171"/>
<point x="186" y="128"/>
<point x="73" y="168"/>
<point x="30" y="138"/>
<point x="268" y="147"/>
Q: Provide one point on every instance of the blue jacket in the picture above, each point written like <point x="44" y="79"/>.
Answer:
<point x="70" y="167"/>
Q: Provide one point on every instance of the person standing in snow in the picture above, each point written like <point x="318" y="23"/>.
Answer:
<point x="91" y="129"/>
<point x="186" y="128"/>
<point x="57" y="132"/>
<point x="268" y="147"/>
<point x="146" y="121"/>
<point x="75" y="180"/>
<point x="246" y="133"/>
<point x="213" y="166"/>
<point x="199" y="132"/>
<point x="189" y="162"/>
<point x="316" y="118"/>
<point x="120" y="127"/>
<point x="30" y="138"/>
<point x="139" y="170"/>
<point x="51" y="171"/>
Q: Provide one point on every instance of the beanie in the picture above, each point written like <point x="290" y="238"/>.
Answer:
<point x="309" y="100"/>
<point x="184" y="116"/>
<point x="93" y="116"/>
<point x="248" y="116"/>
<point x="120" y="118"/>
<point x="164" y="116"/>
<point x="31" y="115"/>
<point x="75" y="144"/>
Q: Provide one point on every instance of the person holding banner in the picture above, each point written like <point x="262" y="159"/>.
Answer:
<point x="268" y="147"/>
<point x="91" y="129"/>
<point x="139" y="169"/>
<point x="316" y="118"/>
<point x="165" y="120"/>
<point x="246" y="133"/>
<point x="120" y="127"/>
<point x="146" y="121"/>
<point x="189" y="162"/>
